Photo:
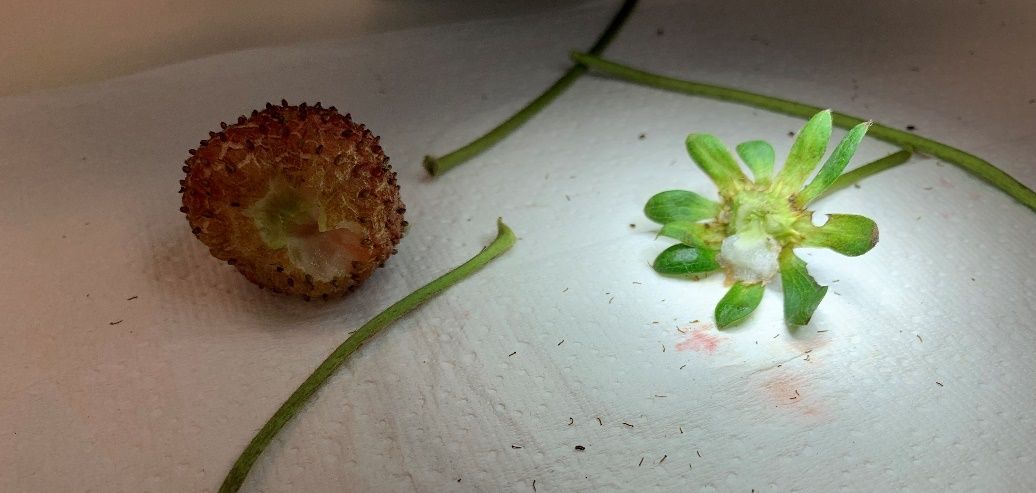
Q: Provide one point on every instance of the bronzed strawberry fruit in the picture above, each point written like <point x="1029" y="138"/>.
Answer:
<point x="300" y="199"/>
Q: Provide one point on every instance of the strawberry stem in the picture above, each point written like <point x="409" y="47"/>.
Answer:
<point x="439" y="165"/>
<point x="969" y="162"/>
<point x="505" y="239"/>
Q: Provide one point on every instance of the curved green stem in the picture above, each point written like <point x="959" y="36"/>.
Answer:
<point x="439" y="165"/>
<point x="871" y="168"/>
<point x="504" y="240"/>
<point x="969" y="162"/>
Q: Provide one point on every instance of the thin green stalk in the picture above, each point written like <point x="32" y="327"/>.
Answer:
<point x="439" y="165"/>
<point x="871" y="168"/>
<point x="504" y="240"/>
<point x="969" y="162"/>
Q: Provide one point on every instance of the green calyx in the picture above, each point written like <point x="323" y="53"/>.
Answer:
<point x="752" y="231"/>
<point x="761" y="212"/>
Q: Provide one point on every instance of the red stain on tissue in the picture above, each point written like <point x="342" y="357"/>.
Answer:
<point x="793" y="392"/>
<point x="701" y="340"/>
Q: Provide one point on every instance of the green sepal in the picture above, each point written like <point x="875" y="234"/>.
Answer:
<point x="685" y="232"/>
<point x="802" y="294"/>
<point x="715" y="160"/>
<point x="806" y="152"/>
<point x="847" y="234"/>
<point x="759" y="157"/>
<point x="679" y="205"/>
<point x="683" y="259"/>
<point x="739" y="302"/>
<point x="834" y="165"/>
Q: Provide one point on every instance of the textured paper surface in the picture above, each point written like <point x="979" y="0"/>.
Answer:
<point x="916" y="373"/>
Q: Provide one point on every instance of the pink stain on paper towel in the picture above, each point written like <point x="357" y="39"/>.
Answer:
<point x="701" y="340"/>
<point x="794" y="392"/>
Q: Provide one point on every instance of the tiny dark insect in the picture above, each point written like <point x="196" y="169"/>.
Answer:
<point x="911" y="128"/>
<point x="580" y="447"/>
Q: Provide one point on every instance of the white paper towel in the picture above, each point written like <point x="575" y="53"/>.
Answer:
<point x="132" y="361"/>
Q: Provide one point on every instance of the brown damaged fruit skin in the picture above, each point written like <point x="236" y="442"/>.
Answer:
<point x="319" y="152"/>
